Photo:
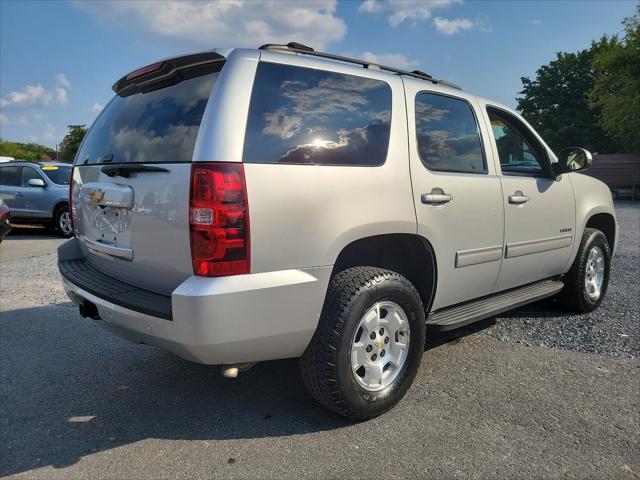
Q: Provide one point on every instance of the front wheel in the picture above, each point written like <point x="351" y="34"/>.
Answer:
<point x="368" y="344"/>
<point x="586" y="282"/>
<point x="62" y="221"/>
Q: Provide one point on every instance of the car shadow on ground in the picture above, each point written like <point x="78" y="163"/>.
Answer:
<point x="69" y="389"/>
<point x="31" y="232"/>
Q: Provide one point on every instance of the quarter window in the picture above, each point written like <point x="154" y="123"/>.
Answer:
<point x="518" y="150"/>
<point x="447" y="134"/>
<point x="307" y="116"/>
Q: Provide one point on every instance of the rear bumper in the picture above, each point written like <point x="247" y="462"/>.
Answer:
<point x="244" y="318"/>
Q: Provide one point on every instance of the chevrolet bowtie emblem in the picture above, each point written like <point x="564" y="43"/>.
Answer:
<point x="96" y="195"/>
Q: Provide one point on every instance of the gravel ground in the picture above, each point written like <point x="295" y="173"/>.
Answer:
<point x="613" y="329"/>
<point x="490" y="401"/>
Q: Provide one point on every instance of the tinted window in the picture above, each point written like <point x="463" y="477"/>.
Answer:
<point x="448" y="136"/>
<point x="58" y="174"/>
<point x="10" y="176"/>
<point x="518" y="150"/>
<point x="301" y="115"/>
<point x="156" y="126"/>
<point x="29" y="173"/>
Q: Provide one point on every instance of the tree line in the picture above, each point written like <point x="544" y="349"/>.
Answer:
<point x="35" y="152"/>
<point x="590" y="98"/>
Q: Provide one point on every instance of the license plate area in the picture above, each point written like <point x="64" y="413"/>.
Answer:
<point x="106" y="218"/>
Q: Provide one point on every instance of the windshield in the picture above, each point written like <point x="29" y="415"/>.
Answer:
<point x="156" y="126"/>
<point x="59" y="174"/>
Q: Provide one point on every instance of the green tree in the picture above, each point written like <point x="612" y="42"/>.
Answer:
<point x="616" y="90"/>
<point x="24" y="151"/>
<point x="556" y="102"/>
<point x="71" y="141"/>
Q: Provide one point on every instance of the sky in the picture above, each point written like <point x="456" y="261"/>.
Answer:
<point x="59" y="59"/>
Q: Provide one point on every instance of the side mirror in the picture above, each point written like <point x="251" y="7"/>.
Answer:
<point x="573" y="159"/>
<point x="36" y="182"/>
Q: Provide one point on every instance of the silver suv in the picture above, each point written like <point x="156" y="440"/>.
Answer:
<point x="247" y="205"/>
<point x="37" y="193"/>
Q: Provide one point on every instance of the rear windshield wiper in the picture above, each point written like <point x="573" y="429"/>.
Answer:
<point x="126" y="170"/>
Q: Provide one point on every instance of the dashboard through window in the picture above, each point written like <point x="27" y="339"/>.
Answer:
<point x="519" y="152"/>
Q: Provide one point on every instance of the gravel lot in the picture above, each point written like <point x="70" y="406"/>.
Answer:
<point x="533" y="393"/>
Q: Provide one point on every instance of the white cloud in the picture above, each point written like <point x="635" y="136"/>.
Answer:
<point x="62" y="81"/>
<point x="536" y="21"/>
<point x="49" y="132"/>
<point x="38" y="95"/>
<point x="96" y="107"/>
<point x="62" y="96"/>
<point x="451" y="27"/>
<point x="29" y="95"/>
<point x="397" y="60"/>
<point x="283" y="125"/>
<point x="21" y="121"/>
<point x="235" y="23"/>
<point x="401" y="10"/>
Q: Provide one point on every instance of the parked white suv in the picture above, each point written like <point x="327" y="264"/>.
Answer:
<point x="248" y="205"/>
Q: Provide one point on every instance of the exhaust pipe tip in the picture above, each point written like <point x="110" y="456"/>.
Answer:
<point x="232" y="370"/>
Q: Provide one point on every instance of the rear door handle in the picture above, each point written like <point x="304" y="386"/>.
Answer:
<point x="436" y="197"/>
<point x="518" y="198"/>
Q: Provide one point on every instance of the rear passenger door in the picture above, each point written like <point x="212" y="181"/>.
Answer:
<point x="457" y="194"/>
<point x="10" y="190"/>
<point x="539" y="210"/>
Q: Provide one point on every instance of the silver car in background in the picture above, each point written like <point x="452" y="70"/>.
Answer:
<point x="37" y="193"/>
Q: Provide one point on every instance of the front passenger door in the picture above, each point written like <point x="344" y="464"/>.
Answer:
<point x="34" y="199"/>
<point x="539" y="211"/>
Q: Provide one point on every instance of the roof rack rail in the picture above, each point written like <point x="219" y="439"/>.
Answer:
<point x="300" y="48"/>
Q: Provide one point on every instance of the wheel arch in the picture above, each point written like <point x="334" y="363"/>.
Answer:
<point x="410" y="255"/>
<point x="606" y="223"/>
<point x="56" y="206"/>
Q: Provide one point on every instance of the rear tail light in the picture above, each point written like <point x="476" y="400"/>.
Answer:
<point x="219" y="219"/>
<point x="72" y="210"/>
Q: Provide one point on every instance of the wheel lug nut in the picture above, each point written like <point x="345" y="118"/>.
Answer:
<point x="386" y="340"/>
<point x="382" y="353"/>
<point x="381" y="331"/>
<point x="372" y="336"/>
<point x="373" y="357"/>
<point x="369" y="348"/>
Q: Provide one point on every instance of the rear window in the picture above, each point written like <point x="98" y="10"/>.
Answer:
<point x="152" y="127"/>
<point x="306" y="116"/>
<point x="58" y="174"/>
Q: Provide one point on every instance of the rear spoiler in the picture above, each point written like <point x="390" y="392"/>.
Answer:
<point x="167" y="72"/>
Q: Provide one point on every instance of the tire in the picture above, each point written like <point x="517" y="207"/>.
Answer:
<point x="593" y="255"/>
<point x="353" y="295"/>
<point x="62" y="221"/>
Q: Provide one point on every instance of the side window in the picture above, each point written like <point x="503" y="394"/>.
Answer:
<point x="518" y="149"/>
<point x="307" y="116"/>
<point x="10" y="176"/>
<point x="447" y="134"/>
<point x="27" y="174"/>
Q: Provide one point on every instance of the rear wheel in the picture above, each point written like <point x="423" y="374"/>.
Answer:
<point x="587" y="281"/>
<point x="368" y="344"/>
<point x="62" y="219"/>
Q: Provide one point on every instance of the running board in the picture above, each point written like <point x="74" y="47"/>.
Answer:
<point x="461" y="315"/>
